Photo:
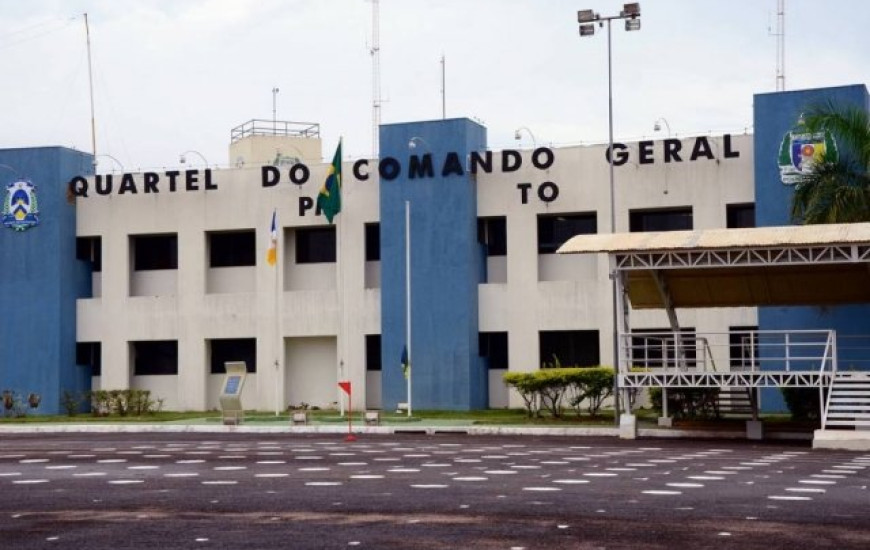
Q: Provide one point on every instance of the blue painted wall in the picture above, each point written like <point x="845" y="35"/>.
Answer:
<point x="775" y="115"/>
<point x="41" y="279"/>
<point x="445" y="269"/>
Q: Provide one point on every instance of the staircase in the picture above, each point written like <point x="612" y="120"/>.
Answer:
<point x="849" y="402"/>
<point x="735" y="402"/>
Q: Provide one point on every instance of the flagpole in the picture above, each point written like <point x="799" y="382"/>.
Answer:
<point x="276" y="311"/>
<point x="342" y="334"/>
<point x="408" y="297"/>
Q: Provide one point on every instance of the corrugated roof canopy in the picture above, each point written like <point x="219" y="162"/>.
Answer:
<point x="793" y="265"/>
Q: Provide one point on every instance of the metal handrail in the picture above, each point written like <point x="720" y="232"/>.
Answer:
<point x="824" y="402"/>
<point x="283" y="128"/>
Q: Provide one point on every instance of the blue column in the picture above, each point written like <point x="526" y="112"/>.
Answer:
<point x="445" y="264"/>
<point x="41" y="279"/>
<point x="775" y="115"/>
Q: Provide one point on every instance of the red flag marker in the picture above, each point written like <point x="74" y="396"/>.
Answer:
<point x="345" y="386"/>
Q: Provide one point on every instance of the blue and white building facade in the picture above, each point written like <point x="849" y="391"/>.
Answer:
<point x="152" y="280"/>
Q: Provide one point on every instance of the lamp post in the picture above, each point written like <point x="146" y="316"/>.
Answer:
<point x="531" y="135"/>
<point x="657" y="126"/>
<point x="183" y="159"/>
<point x="587" y="19"/>
<point x="275" y="91"/>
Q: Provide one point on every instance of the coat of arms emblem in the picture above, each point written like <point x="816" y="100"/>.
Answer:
<point x="801" y="150"/>
<point x="20" y="207"/>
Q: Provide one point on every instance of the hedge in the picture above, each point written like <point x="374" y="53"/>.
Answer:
<point x="548" y="388"/>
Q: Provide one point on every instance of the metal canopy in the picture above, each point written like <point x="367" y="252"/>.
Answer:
<point x="794" y="265"/>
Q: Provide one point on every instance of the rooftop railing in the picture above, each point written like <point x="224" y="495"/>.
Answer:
<point x="283" y="128"/>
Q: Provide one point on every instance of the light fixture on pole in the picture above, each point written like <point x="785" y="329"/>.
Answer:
<point x="415" y="142"/>
<point x="275" y="91"/>
<point x="183" y="159"/>
<point x="657" y="125"/>
<point x="587" y="19"/>
<point x="517" y="136"/>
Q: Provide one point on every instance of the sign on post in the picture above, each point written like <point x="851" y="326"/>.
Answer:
<point x="231" y="392"/>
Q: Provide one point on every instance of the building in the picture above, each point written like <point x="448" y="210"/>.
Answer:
<point x="178" y="280"/>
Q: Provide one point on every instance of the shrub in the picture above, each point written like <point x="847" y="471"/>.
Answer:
<point x="688" y="402"/>
<point x="548" y="387"/>
<point x="70" y="402"/>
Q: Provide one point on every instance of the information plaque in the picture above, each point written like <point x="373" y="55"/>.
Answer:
<point x="231" y="393"/>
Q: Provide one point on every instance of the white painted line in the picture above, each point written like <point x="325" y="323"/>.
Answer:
<point x="429" y="486"/>
<point x="190" y="461"/>
<point x="571" y="481"/>
<point x="367" y="476"/>
<point x="805" y="490"/>
<point x="816" y="482"/>
<point x="661" y="492"/>
<point x="89" y="474"/>
<point x="61" y="467"/>
<point x="314" y="469"/>
<point x="353" y="463"/>
<point x="542" y="489"/>
<point x="788" y="497"/>
<point x="111" y="460"/>
<point x="9" y="474"/>
<point x="126" y="481"/>
<point x="500" y="472"/>
<point x="182" y="474"/>
<point x="600" y="474"/>
<point x="719" y="472"/>
<point x="229" y="468"/>
<point x="143" y="467"/>
<point x="81" y="456"/>
<point x="685" y="485"/>
<point x="29" y="481"/>
<point x="32" y="460"/>
<point x="403" y="470"/>
<point x="271" y="475"/>
<point x="471" y="478"/>
<point x="621" y="469"/>
<point x="220" y="482"/>
<point x="828" y="476"/>
<point x="271" y="462"/>
<point x="706" y="478"/>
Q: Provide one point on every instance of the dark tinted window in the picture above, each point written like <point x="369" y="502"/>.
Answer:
<point x="664" y="219"/>
<point x="232" y="249"/>
<point x="492" y="233"/>
<point x="155" y="357"/>
<point x="373" y="352"/>
<point x="555" y="230"/>
<point x="373" y="242"/>
<point x="494" y="347"/>
<point x="740" y="215"/>
<point x="743" y="346"/>
<point x="233" y="349"/>
<point x="89" y="354"/>
<point x="315" y="245"/>
<point x="155" y="252"/>
<point x="573" y="348"/>
<point x="90" y="249"/>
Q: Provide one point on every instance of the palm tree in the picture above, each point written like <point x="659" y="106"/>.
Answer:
<point x="836" y="188"/>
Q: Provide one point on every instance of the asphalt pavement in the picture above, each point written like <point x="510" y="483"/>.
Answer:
<point x="212" y="491"/>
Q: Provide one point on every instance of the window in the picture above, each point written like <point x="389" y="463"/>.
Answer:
<point x="657" y="347"/>
<point x="90" y="249"/>
<point x="315" y="245"/>
<point x="155" y="357"/>
<point x="742" y="346"/>
<point x="155" y="252"/>
<point x="572" y="348"/>
<point x="740" y="215"/>
<point x="232" y="248"/>
<point x="494" y="347"/>
<point x="89" y="354"/>
<point x="233" y="349"/>
<point x="662" y="219"/>
<point x="373" y="352"/>
<point x="555" y="230"/>
<point x="373" y="242"/>
<point x="492" y="233"/>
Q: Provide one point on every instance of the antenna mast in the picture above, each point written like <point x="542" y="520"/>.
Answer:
<point x="376" y="76"/>
<point x="91" y="89"/>
<point x="780" y="45"/>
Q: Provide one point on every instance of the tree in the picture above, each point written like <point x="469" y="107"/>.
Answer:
<point x="836" y="188"/>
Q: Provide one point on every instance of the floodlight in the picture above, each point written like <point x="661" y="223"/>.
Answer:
<point x="585" y="16"/>
<point x="587" y="30"/>
<point x="632" y="24"/>
<point x="631" y="9"/>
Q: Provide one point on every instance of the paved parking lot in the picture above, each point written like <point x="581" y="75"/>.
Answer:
<point x="411" y="491"/>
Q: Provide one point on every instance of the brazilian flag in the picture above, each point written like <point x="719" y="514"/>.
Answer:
<point x="329" y="198"/>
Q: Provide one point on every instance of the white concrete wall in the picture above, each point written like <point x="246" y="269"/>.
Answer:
<point x="313" y="318"/>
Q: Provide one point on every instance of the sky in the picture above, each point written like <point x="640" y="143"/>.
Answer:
<point x="171" y="76"/>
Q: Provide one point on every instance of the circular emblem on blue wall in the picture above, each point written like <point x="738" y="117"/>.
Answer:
<point x="20" y="207"/>
<point x="801" y="150"/>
